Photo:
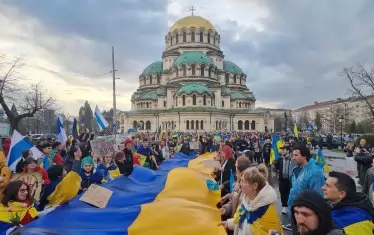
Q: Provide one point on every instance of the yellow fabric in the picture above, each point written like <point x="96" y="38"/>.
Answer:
<point x="362" y="228"/>
<point x="66" y="190"/>
<point x="186" y="204"/>
<point x="280" y="144"/>
<point x="237" y="215"/>
<point x="295" y="131"/>
<point x="269" y="221"/>
<point x="5" y="173"/>
<point x="115" y="173"/>
<point x="16" y="208"/>
<point x="198" y="163"/>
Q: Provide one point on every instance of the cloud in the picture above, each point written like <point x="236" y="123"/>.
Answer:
<point x="291" y="51"/>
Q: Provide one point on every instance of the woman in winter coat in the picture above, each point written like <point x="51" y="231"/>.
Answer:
<point x="257" y="214"/>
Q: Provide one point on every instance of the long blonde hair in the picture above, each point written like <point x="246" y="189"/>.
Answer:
<point x="253" y="175"/>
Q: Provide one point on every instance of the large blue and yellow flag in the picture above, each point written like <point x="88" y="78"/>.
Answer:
<point x="320" y="161"/>
<point x="172" y="200"/>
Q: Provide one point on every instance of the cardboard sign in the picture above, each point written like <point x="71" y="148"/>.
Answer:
<point x="97" y="196"/>
<point x="102" y="147"/>
<point x="34" y="180"/>
<point x="212" y="164"/>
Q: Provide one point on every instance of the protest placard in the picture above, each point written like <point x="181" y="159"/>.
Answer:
<point x="34" y="180"/>
<point x="102" y="147"/>
<point x="97" y="196"/>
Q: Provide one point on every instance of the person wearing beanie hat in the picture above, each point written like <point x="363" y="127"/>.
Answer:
<point x="89" y="174"/>
<point x="311" y="214"/>
<point x="125" y="164"/>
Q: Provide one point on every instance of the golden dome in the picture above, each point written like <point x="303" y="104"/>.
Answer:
<point x="192" y="21"/>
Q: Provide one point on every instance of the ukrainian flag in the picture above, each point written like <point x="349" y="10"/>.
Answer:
<point x="172" y="200"/>
<point x="75" y="129"/>
<point x="277" y="144"/>
<point x="320" y="161"/>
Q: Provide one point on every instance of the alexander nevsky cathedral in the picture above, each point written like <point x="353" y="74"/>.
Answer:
<point x="194" y="88"/>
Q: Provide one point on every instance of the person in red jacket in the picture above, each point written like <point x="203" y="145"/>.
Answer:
<point x="6" y="146"/>
<point x="55" y="154"/>
<point x="31" y="166"/>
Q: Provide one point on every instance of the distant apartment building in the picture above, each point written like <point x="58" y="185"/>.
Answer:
<point x="349" y="110"/>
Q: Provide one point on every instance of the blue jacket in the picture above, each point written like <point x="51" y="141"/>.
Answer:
<point x="104" y="171"/>
<point x="308" y="177"/>
<point x="94" y="178"/>
<point x="143" y="151"/>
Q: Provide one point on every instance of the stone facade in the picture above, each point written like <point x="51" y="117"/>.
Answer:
<point x="193" y="88"/>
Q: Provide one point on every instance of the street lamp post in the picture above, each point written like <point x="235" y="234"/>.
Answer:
<point x="341" y="119"/>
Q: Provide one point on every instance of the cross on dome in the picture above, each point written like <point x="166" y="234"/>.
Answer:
<point x="192" y="9"/>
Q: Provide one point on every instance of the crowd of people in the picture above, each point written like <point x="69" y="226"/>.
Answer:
<point x="314" y="203"/>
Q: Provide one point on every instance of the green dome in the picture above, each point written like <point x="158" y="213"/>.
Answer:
<point x="230" y="67"/>
<point x="161" y="91"/>
<point x="225" y="91"/>
<point x="191" y="88"/>
<point x="193" y="57"/>
<point x="236" y="95"/>
<point x="155" y="67"/>
<point x="149" y="96"/>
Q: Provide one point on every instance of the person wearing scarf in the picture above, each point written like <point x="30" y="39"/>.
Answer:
<point x="108" y="169"/>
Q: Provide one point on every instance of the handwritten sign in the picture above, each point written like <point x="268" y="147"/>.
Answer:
<point x="97" y="196"/>
<point x="33" y="180"/>
<point x="102" y="147"/>
<point x="212" y="164"/>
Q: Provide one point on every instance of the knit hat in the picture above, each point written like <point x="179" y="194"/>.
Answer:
<point x="314" y="201"/>
<point x="127" y="141"/>
<point x="227" y="150"/>
<point x="87" y="160"/>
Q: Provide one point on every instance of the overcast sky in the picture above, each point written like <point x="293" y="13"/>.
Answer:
<point x="290" y="50"/>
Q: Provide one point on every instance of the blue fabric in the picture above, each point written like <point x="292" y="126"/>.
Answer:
<point x="347" y="216"/>
<point x="77" y="217"/>
<point x="308" y="177"/>
<point x="75" y="130"/>
<point x="104" y="171"/>
<point x="4" y="227"/>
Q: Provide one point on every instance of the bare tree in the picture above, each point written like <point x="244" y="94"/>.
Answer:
<point x="361" y="80"/>
<point x="29" y="100"/>
<point x="331" y="117"/>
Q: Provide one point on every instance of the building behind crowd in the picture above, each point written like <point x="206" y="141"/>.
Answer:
<point x="348" y="110"/>
<point x="194" y="87"/>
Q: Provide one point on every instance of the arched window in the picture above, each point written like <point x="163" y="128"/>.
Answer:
<point x="141" y="125"/>
<point x="227" y="78"/>
<point x="184" y="37"/>
<point x="184" y="71"/>
<point x="193" y="68"/>
<point x="183" y="100"/>
<point x="177" y="72"/>
<point x="201" y="37"/>
<point x="192" y="125"/>
<point x="134" y="124"/>
<point x="201" y="124"/>
<point x="148" y="125"/>
<point x="202" y="70"/>
<point x="210" y="72"/>
<point x="216" y="125"/>
<point x="193" y="36"/>
<point x="176" y="101"/>
<point x="187" y="125"/>
<point x="223" y="104"/>
<point x="193" y="99"/>
<point x="235" y="78"/>
<point x="150" y="80"/>
<point x="197" y="125"/>
<point x="213" y="102"/>
<point x="240" y="104"/>
<point x="204" y="100"/>
<point x="158" y="78"/>
<point x="220" y="125"/>
<point x="176" y="38"/>
<point x="246" y="125"/>
<point x="208" y="37"/>
<point x="253" y="125"/>
<point x="147" y="105"/>
<point x="240" y="125"/>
